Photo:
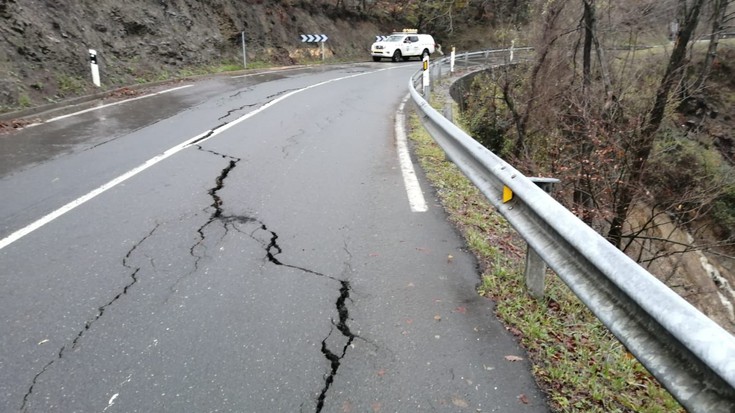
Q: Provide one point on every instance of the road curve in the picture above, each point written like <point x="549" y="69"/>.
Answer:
<point x="263" y="257"/>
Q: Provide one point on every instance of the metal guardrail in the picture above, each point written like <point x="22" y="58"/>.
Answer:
<point x="689" y="354"/>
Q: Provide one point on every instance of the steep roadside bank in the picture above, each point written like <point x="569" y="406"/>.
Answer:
<point x="44" y="55"/>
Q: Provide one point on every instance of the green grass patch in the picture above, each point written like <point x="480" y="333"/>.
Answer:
<point x="579" y="364"/>
<point x="24" y="101"/>
<point x="70" y="85"/>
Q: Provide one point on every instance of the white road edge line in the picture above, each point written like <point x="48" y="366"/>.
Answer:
<point x="204" y="136"/>
<point x="413" y="189"/>
<point x="108" y="105"/>
<point x="267" y="72"/>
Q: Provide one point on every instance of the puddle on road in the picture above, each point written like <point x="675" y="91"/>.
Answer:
<point x="27" y="147"/>
<point x="35" y="144"/>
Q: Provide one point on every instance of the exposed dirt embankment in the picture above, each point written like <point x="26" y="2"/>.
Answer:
<point x="44" y="46"/>
<point x="703" y="277"/>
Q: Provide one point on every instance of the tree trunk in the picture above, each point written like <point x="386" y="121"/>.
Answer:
<point x="641" y="146"/>
<point x="548" y="39"/>
<point x="581" y="197"/>
<point x="719" y="9"/>
<point x="589" y="25"/>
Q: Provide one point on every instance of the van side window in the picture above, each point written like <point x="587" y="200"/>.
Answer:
<point x="413" y="39"/>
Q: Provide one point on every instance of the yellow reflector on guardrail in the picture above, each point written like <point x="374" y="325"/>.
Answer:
<point x="507" y="194"/>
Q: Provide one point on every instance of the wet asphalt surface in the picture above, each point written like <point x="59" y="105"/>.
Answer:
<point x="273" y="266"/>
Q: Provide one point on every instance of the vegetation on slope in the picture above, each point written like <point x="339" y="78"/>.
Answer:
<point x="640" y="137"/>
<point x="44" y="44"/>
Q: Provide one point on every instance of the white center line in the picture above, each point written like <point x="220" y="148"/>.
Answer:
<point x="413" y="189"/>
<point x="15" y="236"/>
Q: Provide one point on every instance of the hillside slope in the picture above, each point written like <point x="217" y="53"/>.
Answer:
<point x="44" y="47"/>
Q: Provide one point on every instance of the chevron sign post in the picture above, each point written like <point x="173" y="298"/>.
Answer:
<point x="380" y="38"/>
<point x="315" y="38"/>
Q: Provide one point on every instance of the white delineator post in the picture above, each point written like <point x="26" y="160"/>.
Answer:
<point x="451" y="60"/>
<point x="95" y="67"/>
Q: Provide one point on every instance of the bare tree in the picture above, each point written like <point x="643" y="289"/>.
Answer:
<point x="718" y="17"/>
<point x="641" y="145"/>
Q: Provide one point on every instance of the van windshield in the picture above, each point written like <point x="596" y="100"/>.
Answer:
<point x="395" y="38"/>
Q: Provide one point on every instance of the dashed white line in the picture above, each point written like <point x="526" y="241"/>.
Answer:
<point x="413" y="189"/>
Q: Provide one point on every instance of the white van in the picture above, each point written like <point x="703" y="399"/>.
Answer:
<point x="403" y="45"/>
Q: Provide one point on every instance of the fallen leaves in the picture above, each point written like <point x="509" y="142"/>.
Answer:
<point x="523" y="398"/>
<point x="515" y="331"/>
<point x="512" y="358"/>
<point x="7" y="126"/>
<point x="459" y="402"/>
<point x="123" y="92"/>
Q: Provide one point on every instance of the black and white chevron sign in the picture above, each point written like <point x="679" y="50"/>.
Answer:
<point x="380" y="38"/>
<point x="311" y="38"/>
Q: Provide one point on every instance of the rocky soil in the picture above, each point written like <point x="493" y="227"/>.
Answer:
<point x="44" y="47"/>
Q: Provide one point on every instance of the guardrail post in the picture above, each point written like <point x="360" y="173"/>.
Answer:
<point x="535" y="265"/>
<point x="448" y="112"/>
<point x="535" y="273"/>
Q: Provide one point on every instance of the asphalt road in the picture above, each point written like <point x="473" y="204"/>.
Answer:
<point x="240" y="244"/>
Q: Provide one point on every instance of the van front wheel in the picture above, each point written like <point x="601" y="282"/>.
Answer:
<point x="397" y="55"/>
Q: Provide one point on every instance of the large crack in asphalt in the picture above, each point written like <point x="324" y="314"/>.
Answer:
<point x="208" y="134"/>
<point x="273" y="250"/>
<point x="89" y="323"/>
<point x="216" y="214"/>
<point x="335" y="360"/>
<point x="231" y="111"/>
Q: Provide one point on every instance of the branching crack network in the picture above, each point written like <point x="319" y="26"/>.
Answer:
<point x="272" y="252"/>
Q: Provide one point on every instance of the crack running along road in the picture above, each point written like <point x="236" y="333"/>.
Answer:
<point x="272" y="249"/>
<point x="88" y="324"/>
